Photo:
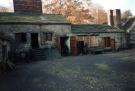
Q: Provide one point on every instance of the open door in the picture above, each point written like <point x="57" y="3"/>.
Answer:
<point x="34" y="40"/>
<point x="80" y="47"/>
<point x="64" y="46"/>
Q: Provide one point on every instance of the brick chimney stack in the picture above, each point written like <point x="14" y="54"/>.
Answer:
<point x="28" y="6"/>
<point x="110" y="18"/>
<point x="117" y="17"/>
<point x="114" y="17"/>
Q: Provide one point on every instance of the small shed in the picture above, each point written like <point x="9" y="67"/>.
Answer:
<point x="97" y="35"/>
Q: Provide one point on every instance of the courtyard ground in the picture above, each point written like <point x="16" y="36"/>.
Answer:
<point x="103" y="72"/>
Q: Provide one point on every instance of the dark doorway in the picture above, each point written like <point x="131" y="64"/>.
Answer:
<point x="80" y="46"/>
<point x="34" y="40"/>
<point x="64" y="46"/>
<point x="20" y="37"/>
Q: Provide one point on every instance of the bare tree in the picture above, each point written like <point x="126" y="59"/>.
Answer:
<point x="3" y="9"/>
<point x="98" y="12"/>
<point x="73" y="10"/>
<point x="125" y="15"/>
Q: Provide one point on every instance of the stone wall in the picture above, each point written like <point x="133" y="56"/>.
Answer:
<point x="4" y="49"/>
<point x="132" y="40"/>
<point x="120" y="39"/>
<point x="57" y="29"/>
<point x="4" y="57"/>
<point x="28" y="29"/>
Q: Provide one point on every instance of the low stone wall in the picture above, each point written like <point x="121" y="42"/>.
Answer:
<point x="5" y="48"/>
<point x="6" y="66"/>
<point x="3" y="67"/>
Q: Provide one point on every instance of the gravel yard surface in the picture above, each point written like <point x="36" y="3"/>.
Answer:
<point x="103" y="72"/>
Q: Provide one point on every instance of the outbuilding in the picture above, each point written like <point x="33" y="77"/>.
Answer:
<point x="32" y="30"/>
<point x="97" y="35"/>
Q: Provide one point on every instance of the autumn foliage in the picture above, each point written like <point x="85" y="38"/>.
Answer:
<point x="71" y="9"/>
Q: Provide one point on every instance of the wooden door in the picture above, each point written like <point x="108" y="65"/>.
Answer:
<point x="73" y="45"/>
<point x="113" y="43"/>
<point x="107" y="42"/>
<point x="57" y="42"/>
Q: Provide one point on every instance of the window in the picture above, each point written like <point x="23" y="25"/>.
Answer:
<point x="47" y="36"/>
<point x="20" y="37"/>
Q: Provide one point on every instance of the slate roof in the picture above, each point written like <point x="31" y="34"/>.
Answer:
<point x="43" y="18"/>
<point x="129" y="25"/>
<point x="94" y="28"/>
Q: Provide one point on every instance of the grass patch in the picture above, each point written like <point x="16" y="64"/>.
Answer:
<point x="102" y="66"/>
<point x="128" y="58"/>
<point x="65" y="72"/>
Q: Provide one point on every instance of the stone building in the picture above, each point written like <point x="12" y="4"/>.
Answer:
<point x="30" y="28"/>
<point x="33" y="31"/>
<point x="98" y="35"/>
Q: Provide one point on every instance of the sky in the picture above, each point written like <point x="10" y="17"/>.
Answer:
<point x="107" y="4"/>
<point x="118" y="4"/>
<point x="6" y="3"/>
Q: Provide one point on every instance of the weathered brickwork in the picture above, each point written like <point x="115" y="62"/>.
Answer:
<point x="110" y="18"/>
<point x="114" y="17"/>
<point x="27" y="6"/>
<point x="117" y="17"/>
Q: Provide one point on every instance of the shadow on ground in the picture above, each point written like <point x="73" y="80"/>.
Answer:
<point x="105" y="72"/>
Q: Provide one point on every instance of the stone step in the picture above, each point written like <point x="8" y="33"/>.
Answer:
<point x="38" y="54"/>
<point x="45" y="54"/>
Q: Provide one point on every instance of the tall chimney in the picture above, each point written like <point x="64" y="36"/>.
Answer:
<point x="110" y="18"/>
<point x="27" y="6"/>
<point x="117" y="17"/>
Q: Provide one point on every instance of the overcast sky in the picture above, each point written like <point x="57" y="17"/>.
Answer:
<point x="107" y="4"/>
<point x="118" y="4"/>
<point x="6" y="3"/>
